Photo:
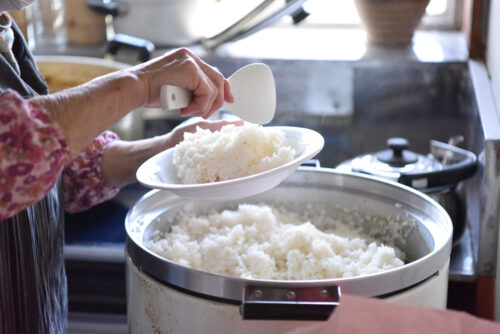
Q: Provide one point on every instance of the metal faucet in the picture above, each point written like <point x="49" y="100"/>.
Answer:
<point x="254" y="21"/>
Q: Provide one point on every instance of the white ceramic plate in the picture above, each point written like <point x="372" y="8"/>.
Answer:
<point x="158" y="172"/>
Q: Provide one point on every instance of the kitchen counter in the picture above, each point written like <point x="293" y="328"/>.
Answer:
<point x="309" y="44"/>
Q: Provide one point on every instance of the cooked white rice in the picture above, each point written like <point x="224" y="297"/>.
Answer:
<point x="232" y="152"/>
<point x="254" y="241"/>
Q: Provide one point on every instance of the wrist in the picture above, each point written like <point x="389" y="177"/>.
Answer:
<point x="138" y="88"/>
<point x="113" y="171"/>
<point x="159" y="144"/>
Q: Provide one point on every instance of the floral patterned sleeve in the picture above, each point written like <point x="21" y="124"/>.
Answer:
<point x="34" y="152"/>
<point x="84" y="185"/>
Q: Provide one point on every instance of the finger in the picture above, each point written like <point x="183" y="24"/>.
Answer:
<point x="210" y="101"/>
<point x="228" y="95"/>
<point x="217" y="125"/>
<point x="206" y="83"/>
<point x="220" y="124"/>
<point x="204" y="94"/>
<point x="217" y="99"/>
<point x="218" y="80"/>
<point x="181" y="69"/>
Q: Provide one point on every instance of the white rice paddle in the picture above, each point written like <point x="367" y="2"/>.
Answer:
<point x="253" y="90"/>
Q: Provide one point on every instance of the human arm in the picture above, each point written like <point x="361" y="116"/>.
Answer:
<point x="40" y="136"/>
<point x="108" y="164"/>
<point x="121" y="159"/>
<point x="356" y="314"/>
<point x="33" y="151"/>
<point x="83" y="180"/>
<point x="85" y="111"/>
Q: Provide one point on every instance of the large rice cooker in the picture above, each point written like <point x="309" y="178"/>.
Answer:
<point x="164" y="297"/>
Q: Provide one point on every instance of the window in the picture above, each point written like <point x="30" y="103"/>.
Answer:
<point x="440" y="14"/>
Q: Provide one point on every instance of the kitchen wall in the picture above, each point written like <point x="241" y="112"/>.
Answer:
<point x="493" y="63"/>
<point x="493" y="49"/>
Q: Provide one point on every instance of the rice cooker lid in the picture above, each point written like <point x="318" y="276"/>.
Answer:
<point x="397" y="159"/>
<point x="445" y="166"/>
<point x="315" y="184"/>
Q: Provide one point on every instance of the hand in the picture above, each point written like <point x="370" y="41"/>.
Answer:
<point x="136" y="152"/>
<point x="184" y="69"/>
<point x="83" y="112"/>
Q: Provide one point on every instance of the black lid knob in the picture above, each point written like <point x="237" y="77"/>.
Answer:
<point x="398" y="155"/>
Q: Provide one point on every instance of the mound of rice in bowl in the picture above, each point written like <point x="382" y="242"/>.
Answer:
<point x="232" y="152"/>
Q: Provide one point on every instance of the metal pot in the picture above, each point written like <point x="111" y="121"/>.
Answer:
<point x="185" y="22"/>
<point x="437" y="174"/>
<point x="164" y="296"/>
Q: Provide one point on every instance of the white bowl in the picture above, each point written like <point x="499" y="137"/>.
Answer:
<point x="158" y="172"/>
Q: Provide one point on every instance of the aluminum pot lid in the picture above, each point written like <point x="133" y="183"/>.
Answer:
<point x="443" y="167"/>
<point x="393" y="162"/>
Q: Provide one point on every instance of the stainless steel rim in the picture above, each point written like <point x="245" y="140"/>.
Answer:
<point x="433" y="219"/>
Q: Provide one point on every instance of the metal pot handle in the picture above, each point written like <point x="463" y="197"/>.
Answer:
<point x="312" y="163"/>
<point x="248" y="24"/>
<point x="143" y="47"/>
<point x="262" y="302"/>
<point x="450" y="174"/>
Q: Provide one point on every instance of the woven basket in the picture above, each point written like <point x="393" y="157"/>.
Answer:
<point x="391" y="21"/>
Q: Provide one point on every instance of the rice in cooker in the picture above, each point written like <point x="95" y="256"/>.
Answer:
<point x="256" y="241"/>
<point x="232" y="152"/>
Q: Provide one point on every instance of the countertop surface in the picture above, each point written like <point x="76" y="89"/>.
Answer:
<point x="309" y="44"/>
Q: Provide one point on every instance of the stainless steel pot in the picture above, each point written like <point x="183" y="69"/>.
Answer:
<point x="394" y="213"/>
<point x="437" y="174"/>
<point x="185" y="22"/>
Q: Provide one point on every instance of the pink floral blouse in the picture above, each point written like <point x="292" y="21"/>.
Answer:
<point x="34" y="152"/>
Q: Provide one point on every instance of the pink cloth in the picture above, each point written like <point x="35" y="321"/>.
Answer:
<point x="356" y="315"/>
<point x="34" y="152"/>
